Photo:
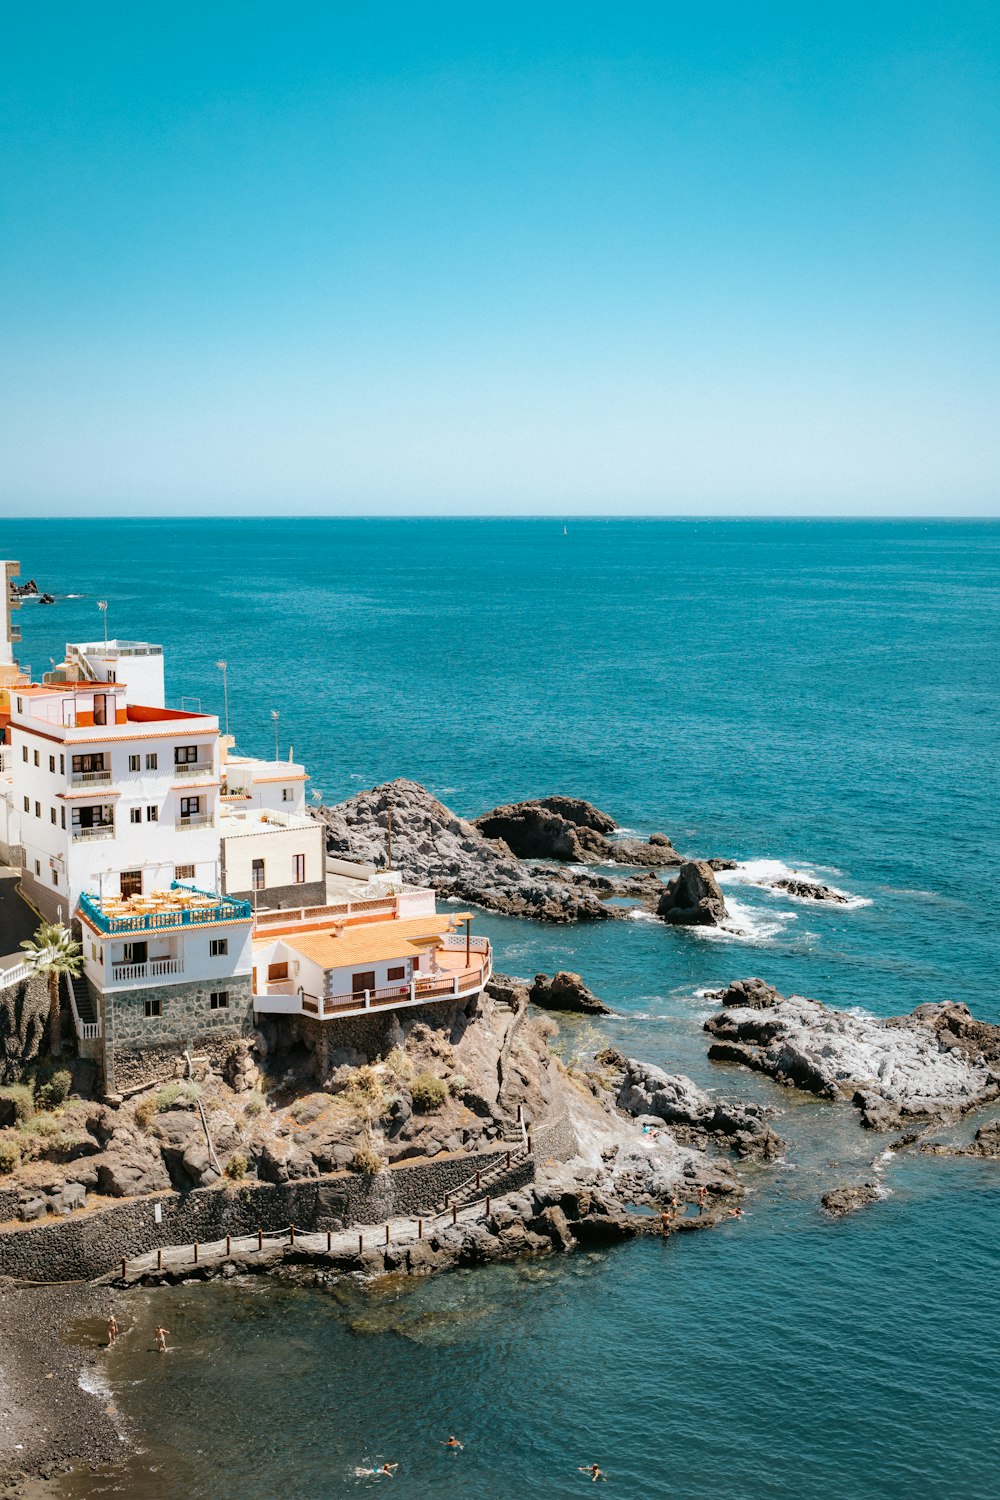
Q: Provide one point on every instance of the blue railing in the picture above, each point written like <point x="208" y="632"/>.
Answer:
<point x="223" y="909"/>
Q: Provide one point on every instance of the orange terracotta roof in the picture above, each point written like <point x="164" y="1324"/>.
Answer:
<point x="367" y="944"/>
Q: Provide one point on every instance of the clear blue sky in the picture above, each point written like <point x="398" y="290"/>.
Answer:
<point x="664" y="258"/>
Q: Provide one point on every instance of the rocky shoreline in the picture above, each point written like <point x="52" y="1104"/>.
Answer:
<point x="935" y="1064"/>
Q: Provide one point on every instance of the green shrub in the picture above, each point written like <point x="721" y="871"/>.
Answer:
<point x="236" y="1166"/>
<point x="46" y="1126"/>
<point x="56" y="1090"/>
<point x="179" y="1095"/>
<point x="364" y="1087"/>
<point x="10" y="1155"/>
<point x="21" y="1097"/>
<point x="367" y="1161"/>
<point x="398" y="1063"/>
<point x="429" y="1092"/>
<point x="255" y="1106"/>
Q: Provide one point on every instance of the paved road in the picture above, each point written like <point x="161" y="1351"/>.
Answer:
<point x="17" y="920"/>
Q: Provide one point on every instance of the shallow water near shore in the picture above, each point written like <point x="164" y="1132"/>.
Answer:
<point x="819" y="695"/>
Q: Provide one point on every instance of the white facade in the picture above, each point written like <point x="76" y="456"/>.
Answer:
<point x="136" y="665"/>
<point x="121" y="962"/>
<point x="135" y="796"/>
<point x="271" y="785"/>
<point x="9" y="634"/>
<point x="268" y="849"/>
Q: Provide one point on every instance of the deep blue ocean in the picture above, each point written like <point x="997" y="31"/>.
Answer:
<point x="818" y="695"/>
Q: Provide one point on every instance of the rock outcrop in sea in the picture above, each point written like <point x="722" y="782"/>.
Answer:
<point x="693" y="898"/>
<point x="432" y="846"/>
<point x="567" y="828"/>
<point x="936" y="1063"/>
<point x="649" y="1093"/>
<point x="566" y="991"/>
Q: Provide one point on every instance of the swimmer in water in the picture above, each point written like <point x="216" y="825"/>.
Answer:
<point x="595" y="1473"/>
<point x="453" y="1444"/>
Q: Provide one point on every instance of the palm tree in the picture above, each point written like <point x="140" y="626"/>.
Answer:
<point x="53" y="952"/>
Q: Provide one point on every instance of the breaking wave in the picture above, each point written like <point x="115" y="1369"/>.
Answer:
<point x="765" y="873"/>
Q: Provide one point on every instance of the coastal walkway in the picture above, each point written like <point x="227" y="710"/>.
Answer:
<point x="341" y="1249"/>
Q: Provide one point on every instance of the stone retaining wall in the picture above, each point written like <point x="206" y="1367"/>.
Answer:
<point x="93" y="1244"/>
<point x="136" y="1045"/>
<point x="555" y="1138"/>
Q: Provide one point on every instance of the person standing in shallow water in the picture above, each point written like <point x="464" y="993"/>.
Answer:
<point x="161" y="1339"/>
<point x="112" y="1329"/>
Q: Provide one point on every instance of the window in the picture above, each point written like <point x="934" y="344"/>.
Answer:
<point x="52" y="765"/>
<point x="184" y="872"/>
<point x="20" y="705"/>
<point x="277" y="971"/>
<point x="133" y="762"/>
<point x="131" y="882"/>
<point x="38" y="809"/>
<point x="38" y="759"/>
<point x="82" y="763"/>
<point x="286" y="794"/>
<point x="62" y="765"/>
<point x="52" y="814"/>
<point x="363" y="981"/>
<point x="100" y="708"/>
<point x="298" y="868"/>
<point x="27" y="804"/>
<point x="112" y="676"/>
<point x="218" y="947"/>
<point x="218" y="1000"/>
<point x="93" y="951"/>
<point x="185" y="755"/>
<point x="397" y="973"/>
<point x="151" y="761"/>
<point x="38" y="867"/>
<point x="135" y="814"/>
<point x="55" y="877"/>
<point x="152" y="814"/>
<point x="135" y="953"/>
<point x="152" y="1008"/>
<point x="257" y="875"/>
<point x="62" y="816"/>
<point x="190" y="807"/>
<point x="24" y="749"/>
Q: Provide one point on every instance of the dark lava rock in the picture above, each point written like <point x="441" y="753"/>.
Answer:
<point x="754" y="994"/>
<point x="693" y="897"/>
<point x="810" y="890"/>
<point x="847" y="1200"/>
<point x="566" y="992"/>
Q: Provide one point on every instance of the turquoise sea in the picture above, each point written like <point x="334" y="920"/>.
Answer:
<point x="818" y="694"/>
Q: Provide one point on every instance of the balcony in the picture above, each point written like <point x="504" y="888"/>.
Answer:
<point x="195" y="820"/>
<point x="96" y="831"/>
<point x="202" y="768"/>
<point x="154" y="968"/>
<point x="453" y="979"/>
<point x="90" y="778"/>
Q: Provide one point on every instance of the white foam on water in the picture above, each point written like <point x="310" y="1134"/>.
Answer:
<point x="746" y="924"/>
<point x="766" y="872"/>
<point x="93" y="1382"/>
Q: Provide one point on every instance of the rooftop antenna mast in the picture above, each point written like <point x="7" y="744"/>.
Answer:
<point x="225" y="691"/>
<point x="102" y="605"/>
<point x="275" y="716"/>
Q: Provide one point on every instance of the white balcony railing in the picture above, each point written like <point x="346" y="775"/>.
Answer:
<point x="154" y="968"/>
<point x="203" y="768"/>
<point x="195" y="820"/>
<point x="98" y="831"/>
<point x="90" y="778"/>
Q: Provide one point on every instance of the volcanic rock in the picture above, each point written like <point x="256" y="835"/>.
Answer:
<point x="936" y="1063"/>
<point x="809" y="890"/>
<point x="569" y="829"/>
<point x="693" y="897"/>
<point x="434" y="847"/>
<point x="847" y="1200"/>
<point x="566" y="991"/>
<point x="675" y="1099"/>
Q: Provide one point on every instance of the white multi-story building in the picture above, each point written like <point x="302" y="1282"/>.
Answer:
<point x="194" y="877"/>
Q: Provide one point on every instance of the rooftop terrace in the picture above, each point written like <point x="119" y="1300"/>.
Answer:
<point x="180" y="906"/>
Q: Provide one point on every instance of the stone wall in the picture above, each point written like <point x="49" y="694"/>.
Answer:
<point x="137" y="1046"/>
<point x="372" y="1035"/>
<point x="284" y="897"/>
<point x="94" y="1244"/>
<point x="24" y="1014"/>
<point x="555" y="1138"/>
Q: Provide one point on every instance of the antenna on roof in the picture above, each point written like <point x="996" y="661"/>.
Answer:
<point x="225" y="690"/>
<point x="102" y="605"/>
